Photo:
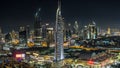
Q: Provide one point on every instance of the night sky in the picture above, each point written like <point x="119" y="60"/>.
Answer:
<point x="16" y="13"/>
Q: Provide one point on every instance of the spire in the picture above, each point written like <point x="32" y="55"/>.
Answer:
<point x="59" y="6"/>
<point x="94" y="23"/>
<point x="59" y="50"/>
<point x="37" y="13"/>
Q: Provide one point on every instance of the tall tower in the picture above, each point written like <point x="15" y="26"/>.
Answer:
<point x="0" y="30"/>
<point x="76" y="27"/>
<point x="92" y="31"/>
<point x="108" y="31"/>
<point x="37" y="29"/>
<point x="1" y="36"/>
<point x="59" y="53"/>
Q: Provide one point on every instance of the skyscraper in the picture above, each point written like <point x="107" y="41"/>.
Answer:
<point x="22" y="37"/>
<point x="37" y="29"/>
<point x="59" y="53"/>
<point x="28" y="32"/>
<point x="2" y="40"/>
<point x="44" y="31"/>
<point x="50" y="36"/>
<point x="90" y="31"/>
<point x="76" y="27"/>
<point x="22" y="28"/>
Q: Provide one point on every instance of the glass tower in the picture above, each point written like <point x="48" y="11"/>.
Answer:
<point x="59" y="53"/>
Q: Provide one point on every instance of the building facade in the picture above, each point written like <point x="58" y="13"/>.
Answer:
<point x="59" y="31"/>
<point x="37" y="29"/>
<point x="90" y="31"/>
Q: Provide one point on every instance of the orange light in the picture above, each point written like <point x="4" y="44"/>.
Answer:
<point x="44" y="44"/>
<point x="18" y="55"/>
<point x="15" y="41"/>
<point x="90" y="62"/>
<point x="30" y="44"/>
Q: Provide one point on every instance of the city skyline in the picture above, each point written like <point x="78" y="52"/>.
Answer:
<point x="20" y="13"/>
<point x="59" y="34"/>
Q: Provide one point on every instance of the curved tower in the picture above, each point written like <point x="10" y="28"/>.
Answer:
<point x="37" y="29"/>
<point x="59" y="53"/>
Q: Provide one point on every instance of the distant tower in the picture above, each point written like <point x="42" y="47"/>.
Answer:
<point x="37" y="29"/>
<point x="14" y="34"/>
<point x="69" y="31"/>
<point x="1" y="36"/>
<point x="28" y="32"/>
<point x="59" y="53"/>
<point x="22" y="28"/>
<point x="76" y="27"/>
<point x="0" y="30"/>
<point x="22" y="36"/>
<point x="108" y="31"/>
<point x="44" y="31"/>
<point x="90" y="31"/>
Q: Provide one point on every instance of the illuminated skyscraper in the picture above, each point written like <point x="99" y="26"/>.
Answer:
<point x="22" y="28"/>
<point x="108" y="31"/>
<point x="76" y="27"/>
<point x="90" y="31"/>
<point x="22" y="37"/>
<point x="59" y="53"/>
<point x="68" y="31"/>
<point x="28" y="32"/>
<point x="0" y="30"/>
<point x="8" y="37"/>
<point x="44" y="31"/>
<point x="50" y="36"/>
<point x="37" y="29"/>
<point x="2" y="40"/>
<point x="14" y="34"/>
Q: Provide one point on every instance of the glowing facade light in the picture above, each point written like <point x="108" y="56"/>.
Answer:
<point x="20" y="55"/>
<point x="90" y="62"/>
<point x="59" y="51"/>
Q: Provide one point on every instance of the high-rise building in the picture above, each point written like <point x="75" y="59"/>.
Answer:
<point x="50" y="36"/>
<point x="22" y="28"/>
<point x="108" y="31"/>
<point x="23" y="37"/>
<point x="14" y="35"/>
<point x="2" y="38"/>
<point x="24" y="34"/>
<point x="37" y="29"/>
<point x="28" y="32"/>
<point x="85" y="32"/>
<point x="76" y="28"/>
<point x="0" y="30"/>
<point x="44" y="31"/>
<point x="8" y="37"/>
<point x="69" y="32"/>
<point x="59" y="50"/>
<point x="90" y="31"/>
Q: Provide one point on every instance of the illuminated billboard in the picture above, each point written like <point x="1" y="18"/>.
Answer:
<point x="20" y="55"/>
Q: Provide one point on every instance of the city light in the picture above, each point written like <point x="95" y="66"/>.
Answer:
<point x="90" y="62"/>
<point x="61" y="34"/>
<point x="20" y="55"/>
